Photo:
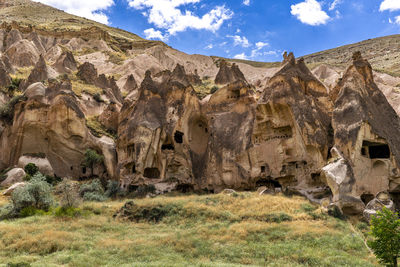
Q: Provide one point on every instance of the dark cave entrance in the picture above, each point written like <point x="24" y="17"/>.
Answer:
<point x="367" y="197"/>
<point x="185" y="188"/>
<point x="178" y="136"/>
<point x="269" y="183"/>
<point x="375" y="150"/>
<point x="151" y="173"/>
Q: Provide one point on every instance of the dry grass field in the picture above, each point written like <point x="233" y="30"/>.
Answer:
<point x="243" y="229"/>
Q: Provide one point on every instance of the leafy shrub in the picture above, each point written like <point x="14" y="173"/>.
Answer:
<point x="31" y="169"/>
<point x="35" y="194"/>
<point x="53" y="180"/>
<point x="385" y="230"/>
<point x="113" y="189"/>
<point x="96" y="197"/>
<point x="7" y="212"/>
<point x="3" y="174"/>
<point x="92" y="191"/>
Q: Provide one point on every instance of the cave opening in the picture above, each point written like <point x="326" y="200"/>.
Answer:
<point x="151" y="173"/>
<point x="367" y="197"/>
<point x="178" y="136"/>
<point x="270" y="183"/>
<point x="185" y="188"/>
<point x="84" y="170"/>
<point x="375" y="150"/>
<point x="133" y="169"/>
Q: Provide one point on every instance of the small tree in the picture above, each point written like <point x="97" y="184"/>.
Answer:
<point x="69" y="195"/>
<point x="385" y="229"/>
<point x="91" y="159"/>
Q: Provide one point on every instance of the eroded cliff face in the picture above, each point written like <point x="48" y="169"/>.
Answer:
<point x="367" y="138"/>
<point x="337" y="144"/>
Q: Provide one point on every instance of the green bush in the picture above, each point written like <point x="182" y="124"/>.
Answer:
<point x="67" y="212"/>
<point x="31" y="169"/>
<point x="35" y="194"/>
<point x="92" y="191"/>
<point x="385" y="230"/>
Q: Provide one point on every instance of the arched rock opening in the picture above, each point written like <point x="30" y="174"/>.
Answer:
<point x="151" y="173"/>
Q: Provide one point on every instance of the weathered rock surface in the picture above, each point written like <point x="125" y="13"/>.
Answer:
<point x="228" y="74"/>
<point x="66" y="63"/>
<point x="41" y="162"/>
<point x="14" y="176"/>
<point x="12" y="188"/>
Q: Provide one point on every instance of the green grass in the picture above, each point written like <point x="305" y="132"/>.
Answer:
<point x="209" y="230"/>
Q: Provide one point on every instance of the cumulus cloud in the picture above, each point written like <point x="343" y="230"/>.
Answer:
<point x="167" y="14"/>
<point x="154" y="34"/>
<point x="240" y="41"/>
<point x="210" y="46"/>
<point x="391" y="5"/>
<point x="240" y="56"/>
<point x="91" y="9"/>
<point x="246" y="2"/>
<point x="310" y="12"/>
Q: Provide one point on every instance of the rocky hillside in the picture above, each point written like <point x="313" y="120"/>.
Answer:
<point x="160" y="117"/>
<point x="383" y="54"/>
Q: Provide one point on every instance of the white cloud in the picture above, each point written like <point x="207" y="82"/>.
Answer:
<point x="246" y="2"/>
<point x="91" y="9"/>
<point x="240" y="56"/>
<point x="239" y="40"/>
<point x="210" y="46"/>
<point x="166" y="14"/>
<point x="391" y="5"/>
<point x="261" y="45"/>
<point x="154" y="34"/>
<point x="334" y="4"/>
<point x="310" y="12"/>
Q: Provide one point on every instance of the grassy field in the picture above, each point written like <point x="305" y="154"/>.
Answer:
<point x="210" y="230"/>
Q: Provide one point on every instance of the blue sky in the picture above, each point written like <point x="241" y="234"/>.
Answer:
<point x="250" y="29"/>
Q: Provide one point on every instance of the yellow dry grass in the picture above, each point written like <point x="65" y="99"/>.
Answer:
<point x="203" y="240"/>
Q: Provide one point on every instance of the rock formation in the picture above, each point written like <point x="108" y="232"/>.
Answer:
<point x="65" y="63"/>
<point x="367" y="135"/>
<point x="228" y="74"/>
<point x="130" y="84"/>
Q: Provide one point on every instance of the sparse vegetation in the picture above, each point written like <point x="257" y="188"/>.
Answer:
<point x="117" y="58"/>
<point x="7" y="110"/>
<point x="92" y="191"/>
<point x="208" y="230"/>
<point x="97" y="129"/>
<point x="79" y="87"/>
<point x="205" y="88"/>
